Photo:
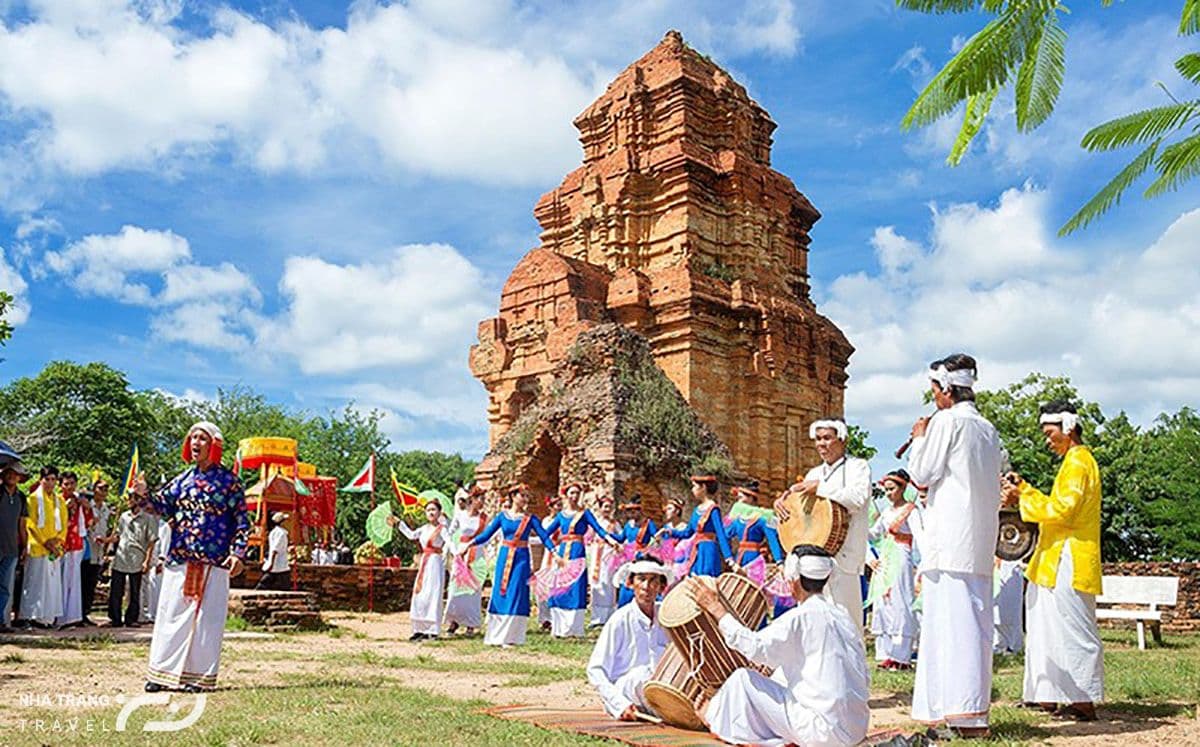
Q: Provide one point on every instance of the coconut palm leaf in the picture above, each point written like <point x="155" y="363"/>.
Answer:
<point x="1176" y="164"/>
<point x="1139" y="126"/>
<point x="1110" y="194"/>
<point x="976" y="112"/>
<point x="1041" y="75"/>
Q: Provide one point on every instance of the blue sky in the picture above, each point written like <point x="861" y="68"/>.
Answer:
<point x="321" y="202"/>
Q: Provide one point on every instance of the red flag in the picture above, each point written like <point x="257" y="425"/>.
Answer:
<point x="406" y="495"/>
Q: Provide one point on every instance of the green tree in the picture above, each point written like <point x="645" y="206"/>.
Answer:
<point x="1168" y="488"/>
<point x="1024" y="46"/>
<point x="6" y="328"/>
<point x="856" y="443"/>
<point x="74" y="413"/>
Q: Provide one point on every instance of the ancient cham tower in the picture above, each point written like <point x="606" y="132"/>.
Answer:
<point x="676" y="228"/>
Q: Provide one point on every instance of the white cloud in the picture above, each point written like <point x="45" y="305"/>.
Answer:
<point x="101" y="264"/>
<point x="484" y="91"/>
<point x="12" y="282"/>
<point x="419" y="305"/>
<point x="201" y="305"/>
<point x="991" y="281"/>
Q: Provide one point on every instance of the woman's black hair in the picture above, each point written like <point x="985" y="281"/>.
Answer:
<point x="48" y="471"/>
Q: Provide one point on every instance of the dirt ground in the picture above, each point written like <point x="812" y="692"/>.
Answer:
<point x="255" y="660"/>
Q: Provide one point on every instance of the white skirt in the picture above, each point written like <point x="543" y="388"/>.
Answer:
<point x="185" y="648"/>
<point x="1064" y="658"/>
<point x="566" y="623"/>
<point x="425" y="610"/>
<point x="954" y="671"/>
<point x="604" y="601"/>
<point x="464" y="609"/>
<point x="505" y="630"/>
<point x="893" y="621"/>
<point x="41" y="591"/>
<point x="1009" y="636"/>
<point x="151" y="589"/>
<point x="72" y="589"/>
<point x="845" y="590"/>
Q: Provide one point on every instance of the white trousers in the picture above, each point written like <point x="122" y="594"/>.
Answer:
<point x="954" y="670"/>
<point x="41" y="591"/>
<point x="604" y="601"/>
<point x="151" y="591"/>
<point x="1064" y="658"/>
<point x="751" y="708"/>
<point x="72" y="588"/>
<point x="185" y="648"/>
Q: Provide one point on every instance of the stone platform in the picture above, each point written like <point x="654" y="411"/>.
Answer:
<point x="276" y="610"/>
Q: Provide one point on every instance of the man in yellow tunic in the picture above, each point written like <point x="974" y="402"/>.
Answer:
<point x="46" y="527"/>
<point x="1064" y="659"/>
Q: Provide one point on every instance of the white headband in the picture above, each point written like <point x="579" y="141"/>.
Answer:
<point x="629" y="570"/>
<point x="816" y="567"/>
<point x="946" y="379"/>
<point x="1067" y="420"/>
<point x="833" y="425"/>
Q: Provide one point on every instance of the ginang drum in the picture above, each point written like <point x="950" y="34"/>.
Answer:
<point x="695" y="633"/>
<point x="673" y="693"/>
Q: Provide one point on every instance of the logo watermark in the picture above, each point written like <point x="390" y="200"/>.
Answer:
<point x="191" y="706"/>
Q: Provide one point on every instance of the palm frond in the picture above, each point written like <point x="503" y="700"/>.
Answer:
<point x="1139" y="126"/>
<point x="1110" y="194"/>
<point x="1189" y="22"/>
<point x="989" y="57"/>
<point x="938" y="6"/>
<point x="1040" y="77"/>
<point x="976" y="112"/>
<point x="932" y="103"/>
<point x="1189" y="66"/>
<point x="1175" y="165"/>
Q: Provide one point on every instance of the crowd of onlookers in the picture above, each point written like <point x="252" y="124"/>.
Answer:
<point x="56" y="543"/>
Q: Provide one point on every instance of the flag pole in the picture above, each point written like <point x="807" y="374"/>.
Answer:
<point x="371" y="565"/>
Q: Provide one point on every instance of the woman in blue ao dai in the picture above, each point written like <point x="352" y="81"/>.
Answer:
<point x="710" y="552"/>
<point x="639" y="531"/>
<point x="750" y="535"/>
<point x="572" y="523"/>
<point x="508" y="610"/>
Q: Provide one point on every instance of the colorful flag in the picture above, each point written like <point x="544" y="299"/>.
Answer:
<point x="407" y="496"/>
<point x="364" y="481"/>
<point x="131" y="475"/>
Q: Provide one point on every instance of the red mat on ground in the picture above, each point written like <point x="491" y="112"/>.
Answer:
<point x="594" y="722"/>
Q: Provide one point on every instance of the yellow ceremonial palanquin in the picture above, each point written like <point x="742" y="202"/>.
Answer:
<point x="39" y="534"/>
<point x="1071" y="513"/>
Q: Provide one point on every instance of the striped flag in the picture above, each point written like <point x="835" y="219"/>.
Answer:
<point x="131" y="474"/>
<point x="406" y="495"/>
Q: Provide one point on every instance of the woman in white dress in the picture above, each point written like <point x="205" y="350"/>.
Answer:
<point x="425" y="611"/>
<point x="463" y="607"/>
<point x="893" y="621"/>
<point x="600" y="570"/>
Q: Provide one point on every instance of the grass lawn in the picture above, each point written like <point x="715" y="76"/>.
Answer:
<point x="352" y="695"/>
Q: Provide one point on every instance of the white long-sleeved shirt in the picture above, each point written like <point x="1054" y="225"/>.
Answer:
<point x="628" y="640"/>
<point x="847" y="482"/>
<point x="819" y="657"/>
<point x="959" y="459"/>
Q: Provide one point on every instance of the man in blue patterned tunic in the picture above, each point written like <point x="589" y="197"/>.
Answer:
<point x="210" y="528"/>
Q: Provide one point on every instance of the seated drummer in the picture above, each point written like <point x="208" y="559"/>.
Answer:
<point x="818" y="694"/>
<point x="631" y="642"/>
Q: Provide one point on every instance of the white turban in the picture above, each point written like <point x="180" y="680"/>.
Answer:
<point x="816" y="567"/>
<point x="834" y="425"/>
<point x="946" y="379"/>
<point x="629" y="570"/>
<point x="1066" y="420"/>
